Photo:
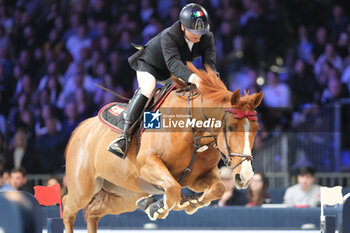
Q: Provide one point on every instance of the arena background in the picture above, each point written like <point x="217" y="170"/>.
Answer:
<point x="52" y="53"/>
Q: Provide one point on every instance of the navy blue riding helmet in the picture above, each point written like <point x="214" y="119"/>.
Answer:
<point x="195" y="19"/>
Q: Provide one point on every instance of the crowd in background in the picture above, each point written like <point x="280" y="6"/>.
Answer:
<point x="52" y="53"/>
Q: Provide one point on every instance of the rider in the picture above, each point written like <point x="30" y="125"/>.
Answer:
<point x="165" y="54"/>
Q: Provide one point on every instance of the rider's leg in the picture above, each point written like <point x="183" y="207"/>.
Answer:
<point x="147" y="84"/>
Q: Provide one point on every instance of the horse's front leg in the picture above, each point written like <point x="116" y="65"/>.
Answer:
<point x="155" y="172"/>
<point x="208" y="188"/>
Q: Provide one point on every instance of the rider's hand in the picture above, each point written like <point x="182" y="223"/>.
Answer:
<point x="194" y="79"/>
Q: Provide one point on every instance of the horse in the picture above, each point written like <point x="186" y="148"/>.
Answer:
<point x="103" y="183"/>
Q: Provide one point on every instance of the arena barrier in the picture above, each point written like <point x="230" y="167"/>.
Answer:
<point x="211" y="218"/>
<point x="20" y="213"/>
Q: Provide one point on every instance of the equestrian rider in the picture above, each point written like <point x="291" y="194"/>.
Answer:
<point x="165" y="54"/>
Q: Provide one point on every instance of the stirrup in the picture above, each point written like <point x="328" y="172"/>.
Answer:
<point x="115" y="149"/>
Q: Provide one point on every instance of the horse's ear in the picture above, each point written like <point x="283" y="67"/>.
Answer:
<point x="258" y="99"/>
<point x="236" y="95"/>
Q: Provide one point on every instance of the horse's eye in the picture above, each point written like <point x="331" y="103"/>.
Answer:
<point x="230" y="128"/>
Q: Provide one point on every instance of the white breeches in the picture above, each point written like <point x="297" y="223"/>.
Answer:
<point x="147" y="83"/>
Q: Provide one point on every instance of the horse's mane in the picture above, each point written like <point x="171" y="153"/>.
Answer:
<point x="211" y="87"/>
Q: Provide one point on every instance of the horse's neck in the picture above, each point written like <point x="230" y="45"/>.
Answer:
<point x="208" y="109"/>
<point x="211" y="109"/>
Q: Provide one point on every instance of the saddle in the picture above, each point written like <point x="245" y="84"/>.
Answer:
<point x="112" y="114"/>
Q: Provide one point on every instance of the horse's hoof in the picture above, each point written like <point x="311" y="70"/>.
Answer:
<point x="155" y="209"/>
<point x="188" y="200"/>
<point x="145" y="202"/>
<point x="191" y="211"/>
<point x="164" y="215"/>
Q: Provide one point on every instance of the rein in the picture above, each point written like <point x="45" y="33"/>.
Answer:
<point x="238" y="114"/>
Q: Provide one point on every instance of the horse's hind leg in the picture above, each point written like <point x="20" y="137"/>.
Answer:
<point x="155" y="172"/>
<point x="78" y="197"/>
<point x="68" y="216"/>
<point x="72" y="204"/>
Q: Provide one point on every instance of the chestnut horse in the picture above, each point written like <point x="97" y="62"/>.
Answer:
<point x="102" y="183"/>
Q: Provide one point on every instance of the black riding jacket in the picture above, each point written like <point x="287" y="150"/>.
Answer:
<point x="168" y="52"/>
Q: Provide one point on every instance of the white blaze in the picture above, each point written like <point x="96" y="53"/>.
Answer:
<point x="246" y="171"/>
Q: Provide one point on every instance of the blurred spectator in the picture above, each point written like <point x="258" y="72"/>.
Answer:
<point x="121" y="72"/>
<point x="124" y="45"/>
<point x="3" y="149"/>
<point x="47" y="111"/>
<point x="305" y="46"/>
<point x="305" y="193"/>
<point x="231" y="196"/>
<point x="96" y="58"/>
<point x="254" y="29"/>
<point x="54" y="43"/>
<point x="320" y="42"/>
<point x="74" y="22"/>
<point x="151" y="29"/>
<point x="22" y="154"/>
<point x="6" y="90"/>
<point x="79" y="81"/>
<point x="71" y="118"/>
<point x="18" y="180"/>
<point x="6" y="44"/>
<point x="85" y="105"/>
<point x="245" y="80"/>
<point x="17" y="111"/>
<point x="173" y="14"/>
<point x="331" y="56"/>
<point x="125" y="22"/>
<point x="338" y="22"/>
<point x="302" y="84"/>
<point x="78" y="41"/>
<point x="6" y="177"/>
<point x="50" y="147"/>
<point x="52" y="180"/>
<point x="3" y="127"/>
<point x="276" y="94"/>
<point x="257" y="190"/>
<point x="345" y="78"/>
<point x="5" y="19"/>
<point x="3" y="185"/>
<point x="99" y="10"/>
<point x="147" y="10"/>
<point x="335" y="90"/>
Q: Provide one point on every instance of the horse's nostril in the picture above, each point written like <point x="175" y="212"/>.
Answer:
<point x="238" y="178"/>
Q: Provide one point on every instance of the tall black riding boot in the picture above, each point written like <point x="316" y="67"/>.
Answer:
<point x="120" y="145"/>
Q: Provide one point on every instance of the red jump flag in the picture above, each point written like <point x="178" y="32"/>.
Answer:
<point x="49" y="195"/>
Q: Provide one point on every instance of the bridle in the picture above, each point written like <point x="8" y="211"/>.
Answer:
<point x="236" y="113"/>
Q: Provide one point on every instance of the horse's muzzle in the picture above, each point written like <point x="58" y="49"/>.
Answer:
<point x="240" y="183"/>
